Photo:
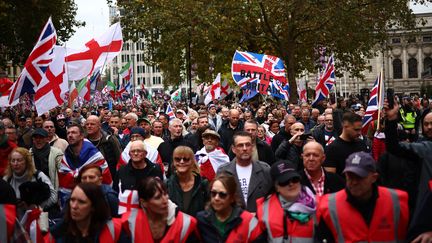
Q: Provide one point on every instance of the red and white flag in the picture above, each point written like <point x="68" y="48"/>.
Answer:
<point x="5" y="85"/>
<point x="225" y="89"/>
<point x="96" y="53"/>
<point x="73" y="94"/>
<point x="54" y="85"/>
<point x="301" y="89"/>
<point x="215" y="90"/>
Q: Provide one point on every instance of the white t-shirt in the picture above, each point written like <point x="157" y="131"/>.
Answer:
<point x="244" y="175"/>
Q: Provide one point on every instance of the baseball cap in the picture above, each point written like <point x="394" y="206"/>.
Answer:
<point x="40" y="132"/>
<point x="210" y="132"/>
<point x="211" y="106"/>
<point x="283" y="171"/>
<point x="138" y="130"/>
<point x="360" y="163"/>
<point x="22" y="118"/>
<point x="61" y="117"/>
<point x="143" y="119"/>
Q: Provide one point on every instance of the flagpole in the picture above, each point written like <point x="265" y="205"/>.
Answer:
<point x="379" y="98"/>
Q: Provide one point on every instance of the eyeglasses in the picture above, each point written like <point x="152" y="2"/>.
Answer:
<point x="178" y="159"/>
<point x="242" y="145"/>
<point x="294" y="180"/>
<point x="222" y="195"/>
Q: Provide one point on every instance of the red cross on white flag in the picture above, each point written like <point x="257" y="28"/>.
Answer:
<point x="96" y="53"/>
<point x="214" y="92"/>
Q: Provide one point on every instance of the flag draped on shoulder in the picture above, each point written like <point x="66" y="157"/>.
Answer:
<point x="36" y="64"/>
<point x="326" y="82"/>
<point x="257" y="71"/>
<point x="96" y="53"/>
<point x="375" y="103"/>
<point x="214" y="90"/>
<point x="54" y="85"/>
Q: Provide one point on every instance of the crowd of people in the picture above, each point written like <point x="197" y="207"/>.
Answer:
<point x="224" y="172"/>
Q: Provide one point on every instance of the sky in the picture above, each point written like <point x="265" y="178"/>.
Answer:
<point x="95" y="13"/>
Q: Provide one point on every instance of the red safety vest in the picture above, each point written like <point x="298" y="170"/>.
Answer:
<point x="271" y="217"/>
<point x="109" y="234"/>
<point x="389" y="222"/>
<point x="139" y="229"/>
<point x="7" y="221"/>
<point x="247" y="231"/>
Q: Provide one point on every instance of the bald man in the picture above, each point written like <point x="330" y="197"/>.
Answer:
<point x="229" y="127"/>
<point x="107" y="144"/>
<point x="314" y="176"/>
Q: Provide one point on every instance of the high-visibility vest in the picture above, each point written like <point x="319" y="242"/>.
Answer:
<point x="247" y="231"/>
<point x="7" y="221"/>
<point x="139" y="229"/>
<point x="279" y="227"/>
<point x="109" y="234"/>
<point x="408" y="119"/>
<point x="389" y="221"/>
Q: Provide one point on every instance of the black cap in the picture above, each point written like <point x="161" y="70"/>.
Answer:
<point x="138" y="130"/>
<point x="22" y="118"/>
<point x="40" y="132"/>
<point x="283" y="171"/>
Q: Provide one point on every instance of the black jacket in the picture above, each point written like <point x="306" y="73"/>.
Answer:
<point x="291" y="152"/>
<point x="200" y="194"/>
<point x="128" y="176"/>
<point x="332" y="182"/>
<point x="226" y="133"/>
<point x="279" y="138"/>
<point x="111" y="150"/>
<point x="166" y="148"/>
<point x="319" y="135"/>
<point x="209" y="233"/>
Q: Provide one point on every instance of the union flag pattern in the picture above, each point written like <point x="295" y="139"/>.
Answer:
<point x="326" y="82"/>
<point x="375" y="103"/>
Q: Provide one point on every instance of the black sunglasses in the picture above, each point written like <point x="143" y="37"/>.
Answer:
<point x="292" y="180"/>
<point x="222" y="195"/>
<point x="178" y="159"/>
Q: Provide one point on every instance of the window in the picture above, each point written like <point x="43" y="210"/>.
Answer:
<point x="427" y="63"/>
<point x="412" y="68"/>
<point x="427" y="38"/>
<point x="154" y="80"/>
<point x="397" y="68"/>
<point x="396" y="40"/>
<point x="412" y="40"/>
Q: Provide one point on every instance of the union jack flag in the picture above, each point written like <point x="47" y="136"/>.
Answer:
<point x="326" y="82"/>
<point x="279" y="90"/>
<point x="169" y="111"/>
<point x="248" y="67"/>
<point x="375" y="103"/>
<point x="36" y="64"/>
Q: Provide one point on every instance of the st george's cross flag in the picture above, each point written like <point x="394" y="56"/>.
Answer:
<point x="54" y="85"/>
<point x="95" y="54"/>
<point x="301" y="89"/>
<point x="214" y="91"/>
<point x="225" y="89"/>
<point x="256" y="71"/>
<point x="375" y="103"/>
<point x="326" y="82"/>
<point x="36" y="64"/>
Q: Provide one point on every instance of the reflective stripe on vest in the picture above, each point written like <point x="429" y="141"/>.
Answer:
<point x="280" y="239"/>
<point x="132" y="221"/>
<point x="185" y="226"/>
<point x="408" y="119"/>
<point x="334" y="217"/>
<point x="110" y="226"/>
<point x="252" y="224"/>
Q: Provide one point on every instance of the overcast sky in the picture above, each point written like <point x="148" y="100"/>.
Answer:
<point x="95" y="13"/>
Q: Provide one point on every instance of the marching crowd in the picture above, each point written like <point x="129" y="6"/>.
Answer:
<point x="225" y="172"/>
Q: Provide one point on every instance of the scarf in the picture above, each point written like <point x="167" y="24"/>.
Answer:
<point x="41" y="158"/>
<point x="302" y="208"/>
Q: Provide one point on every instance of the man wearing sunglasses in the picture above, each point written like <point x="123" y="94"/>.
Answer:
<point x="253" y="176"/>
<point x="363" y="211"/>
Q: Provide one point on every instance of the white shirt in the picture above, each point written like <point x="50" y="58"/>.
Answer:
<point x="244" y="175"/>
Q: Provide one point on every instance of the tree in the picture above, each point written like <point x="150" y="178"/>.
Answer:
<point x="22" y="21"/>
<point x="290" y="29"/>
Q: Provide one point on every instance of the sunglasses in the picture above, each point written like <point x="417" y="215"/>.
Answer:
<point x="294" y="180"/>
<point x="222" y="195"/>
<point x="178" y="159"/>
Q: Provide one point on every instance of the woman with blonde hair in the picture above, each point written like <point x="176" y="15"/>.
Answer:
<point x="32" y="187"/>
<point x="186" y="187"/>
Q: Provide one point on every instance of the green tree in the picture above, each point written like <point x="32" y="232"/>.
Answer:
<point x="22" y="21"/>
<point x="290" y="29"/>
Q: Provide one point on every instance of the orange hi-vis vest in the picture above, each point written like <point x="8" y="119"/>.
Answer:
<point x="389" y="221"/>
<point x="7" y="221"/>
<point x="271" y="217"/>
<point x="110" y="233"/>
<point x="138" y="227"/>
<point x="247" y="231"/>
